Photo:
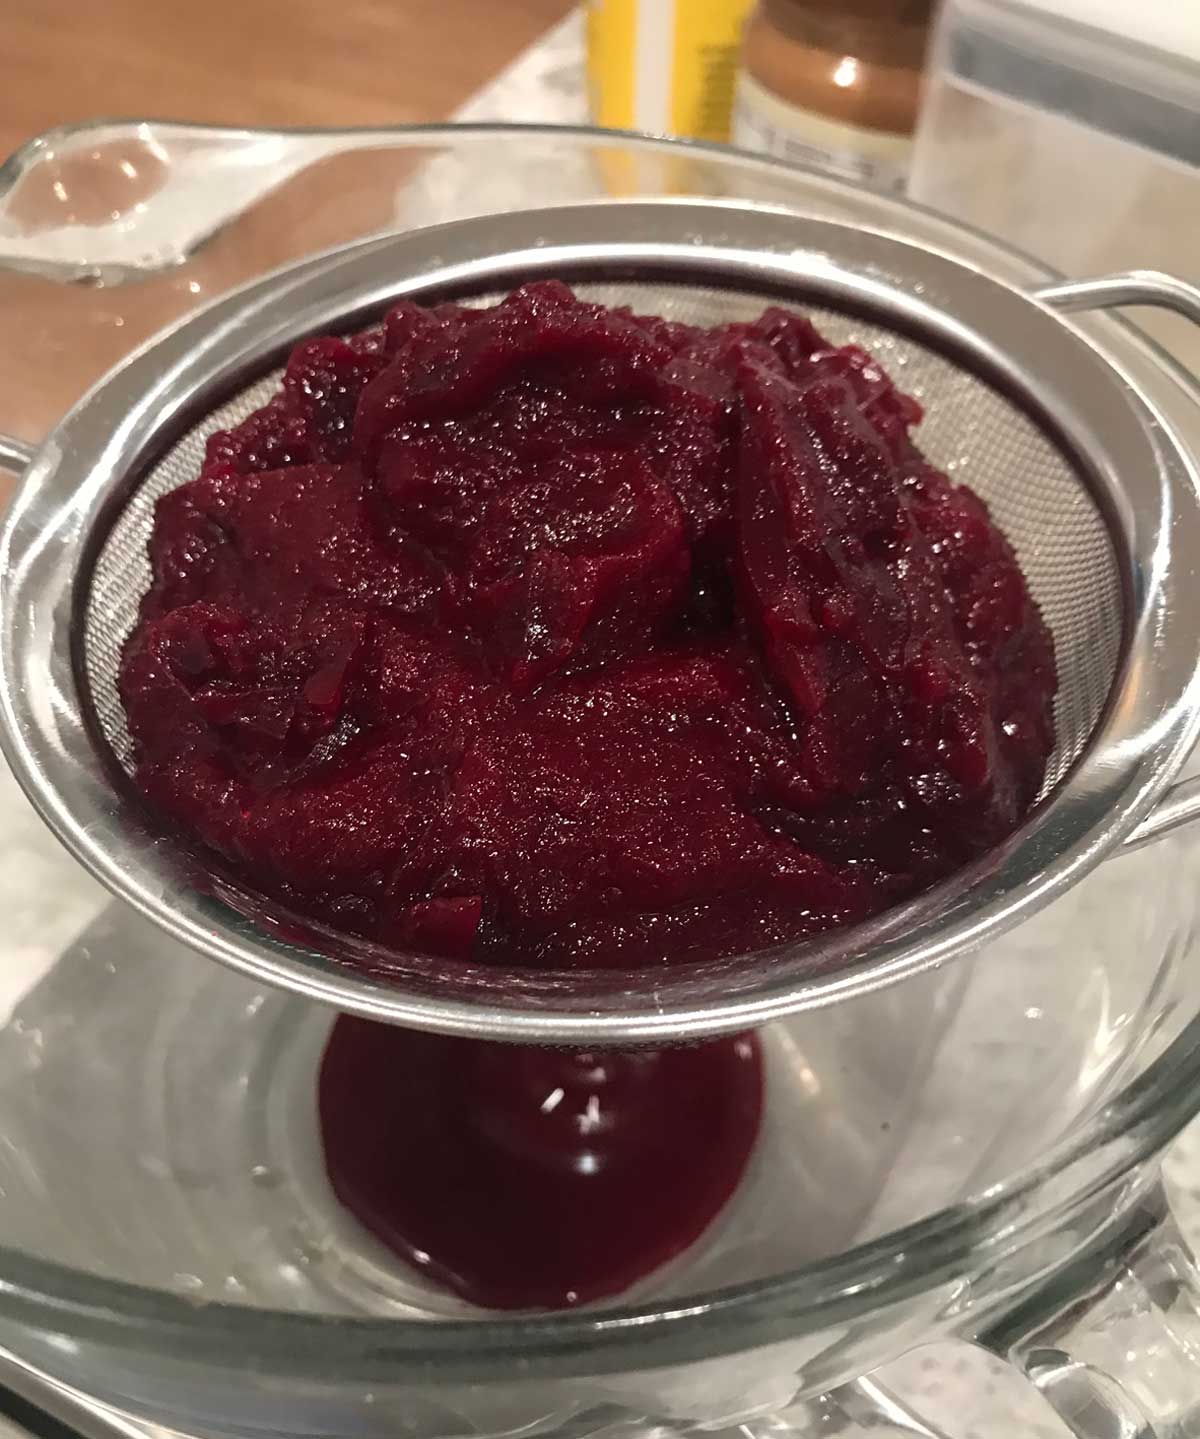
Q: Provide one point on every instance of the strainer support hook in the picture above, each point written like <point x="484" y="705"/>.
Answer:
<point x="1181" y="804"/>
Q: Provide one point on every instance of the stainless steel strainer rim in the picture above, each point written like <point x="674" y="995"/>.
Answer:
<point x="77" y="476"/>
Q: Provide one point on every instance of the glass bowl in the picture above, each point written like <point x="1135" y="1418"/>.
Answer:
<point x="972" y="1153"/>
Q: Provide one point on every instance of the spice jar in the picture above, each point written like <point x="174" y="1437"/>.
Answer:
<point x="834" y="83"/>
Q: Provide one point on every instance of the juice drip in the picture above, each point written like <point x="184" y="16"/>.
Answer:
<point x="522" y="1177"/>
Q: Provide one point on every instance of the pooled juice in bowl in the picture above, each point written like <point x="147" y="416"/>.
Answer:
<point x="527" y="1178"/>
<point x="548" y="634"/>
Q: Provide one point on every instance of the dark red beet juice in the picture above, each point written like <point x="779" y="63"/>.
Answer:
<point x="522" y="1177"/>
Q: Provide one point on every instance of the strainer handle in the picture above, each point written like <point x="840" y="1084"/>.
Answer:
<point x="1133" y="287"/>
<point x="1181" y="804"/>
<point x="15" y="454"/>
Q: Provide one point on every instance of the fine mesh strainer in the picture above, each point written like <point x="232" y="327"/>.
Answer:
<point x="1098" y="499"/>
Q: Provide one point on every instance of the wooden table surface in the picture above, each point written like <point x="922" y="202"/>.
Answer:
<point x="262" y="62"/>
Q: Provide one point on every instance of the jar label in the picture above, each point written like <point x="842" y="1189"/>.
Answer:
<point x="764" y="122"/>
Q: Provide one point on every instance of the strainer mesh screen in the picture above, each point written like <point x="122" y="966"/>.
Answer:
<point x="971" y="431"/>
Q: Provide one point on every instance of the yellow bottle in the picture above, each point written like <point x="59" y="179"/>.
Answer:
<point x="664" y="66"/>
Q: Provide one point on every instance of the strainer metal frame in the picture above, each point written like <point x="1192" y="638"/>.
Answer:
<point x="1136" y="469"/>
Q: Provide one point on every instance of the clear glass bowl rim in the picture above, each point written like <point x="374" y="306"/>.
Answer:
<point x="1137" y="1124"/>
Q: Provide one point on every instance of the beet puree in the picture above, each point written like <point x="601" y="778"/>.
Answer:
<point x="532" y="1178"/>
<point x="553" y="635"/>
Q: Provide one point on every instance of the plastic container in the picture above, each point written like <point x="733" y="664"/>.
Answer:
<point x="1071" y="128"/>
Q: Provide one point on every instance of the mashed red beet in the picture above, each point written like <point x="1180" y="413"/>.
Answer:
<point x="555" y="635"/>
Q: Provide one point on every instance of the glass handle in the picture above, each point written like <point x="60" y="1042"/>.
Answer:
<point x="868" y="1407"/>
<point x="109" y="203"/>
<point x="1114" y="1344"/>
<point x="864" y="1407"/>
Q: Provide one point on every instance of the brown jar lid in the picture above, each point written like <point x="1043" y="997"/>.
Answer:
<point x="798" y="49"/>
<point x="895" y="12"/>
<point x="890" y="32"/>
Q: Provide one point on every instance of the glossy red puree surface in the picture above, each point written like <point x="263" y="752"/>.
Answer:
<point x="553" y="635"/>
<point x="532" y="1178"/>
